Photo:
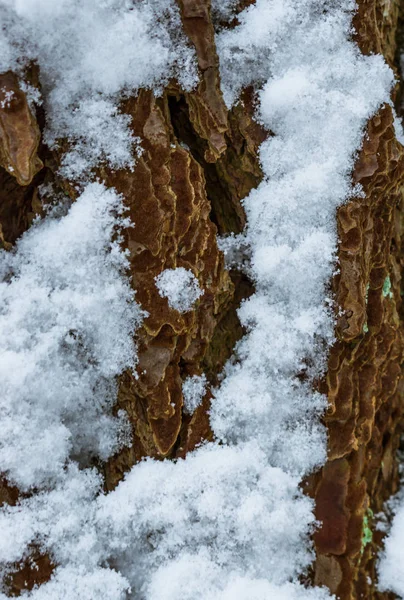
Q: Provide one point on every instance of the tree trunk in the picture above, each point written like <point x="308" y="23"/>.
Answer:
<point x="364" y="382"/>
<point x="199" y="161"/>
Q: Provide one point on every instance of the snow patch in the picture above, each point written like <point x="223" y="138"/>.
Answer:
<point x="390" y="568"/>
<point x="67" y="318"/>
<point x="180" y="287"/>
<point x="91" y="55"/>
<point x="193" y="391"/>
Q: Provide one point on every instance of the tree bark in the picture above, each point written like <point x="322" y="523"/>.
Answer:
<point x="364" y="382"/>
<point x="199" y="161"/>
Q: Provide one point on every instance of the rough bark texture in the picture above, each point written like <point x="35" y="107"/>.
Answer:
<point x="199" y="161"/>
<point x="364" y="381"/>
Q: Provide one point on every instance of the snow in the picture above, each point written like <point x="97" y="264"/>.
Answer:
<point x="180" y="287"/>
<point x="67" y="318"/>
<point x="223" y="10"/>
<point x="193" y="391"/>
<point x="91" y="55"/>
<point x="316" y="101"/>
<point x="95" y="585"/>
<point x="398" y="127"/>
<point x="229" y="521"/>
<point x="391" y="561"/>
<point x="209" y="512"/>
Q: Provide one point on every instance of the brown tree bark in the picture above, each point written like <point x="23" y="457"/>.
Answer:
<point x="199" y="162"/>
<point x="365" y="383"/>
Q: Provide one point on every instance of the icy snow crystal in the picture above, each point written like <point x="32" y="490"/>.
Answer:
<point x="180" y="287"/>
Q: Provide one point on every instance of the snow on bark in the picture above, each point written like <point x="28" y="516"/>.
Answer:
<point x="193" y="390"/>
<point x="390" y="567"/>
<point x="67" y="319"/>
<point x="180" y="287"/>
<point x="91" y="55"/>
<point x="315" y="99"/>
<point x="229" y="521"/>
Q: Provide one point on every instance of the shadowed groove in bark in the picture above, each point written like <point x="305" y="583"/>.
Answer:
<point x="226" y="211"/>
<point x="225" y="193"/>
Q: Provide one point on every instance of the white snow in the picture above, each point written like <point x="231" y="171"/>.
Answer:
<point x="91" y="54"/>
<point x="210" y="517"/>
<point x="223" y="10"/>
<point x="67" y="318"/>
<point x="391" y="561"/>
<point x="230" y="521"/>
<point x="180" y="287"/>
<point x="193" y="391"/>
<point x="316" y="101"/>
